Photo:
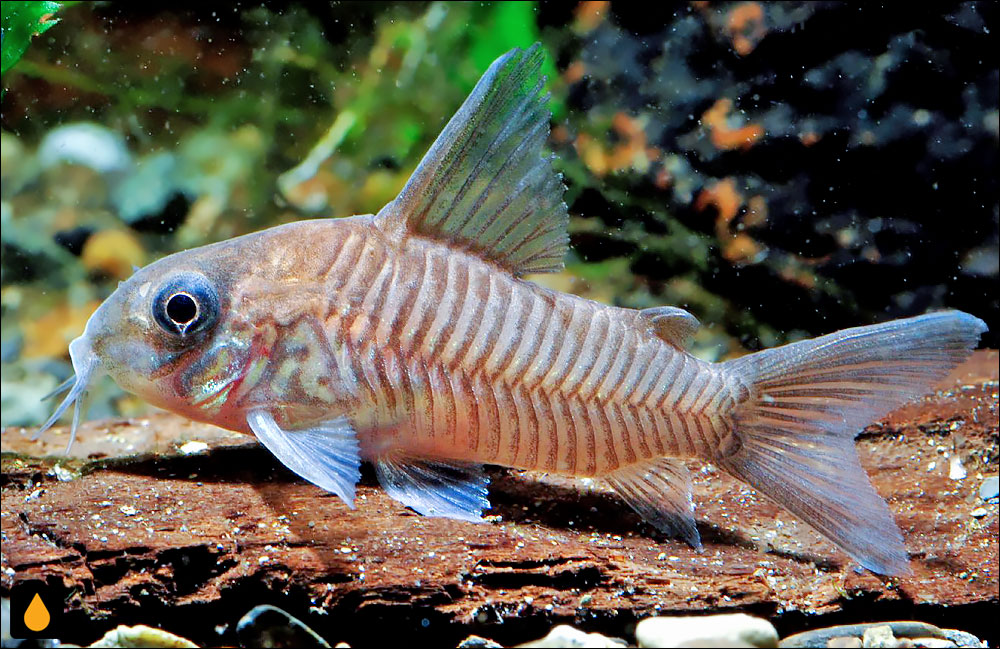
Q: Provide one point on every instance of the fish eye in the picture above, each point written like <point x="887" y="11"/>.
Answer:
<point x="186" y="304"/>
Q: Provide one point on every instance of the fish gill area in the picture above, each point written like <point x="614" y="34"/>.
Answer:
<point x="779" y="170"/>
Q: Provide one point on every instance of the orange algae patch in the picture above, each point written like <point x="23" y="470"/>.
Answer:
<point x="725" y="138"/>
<point x="115" y="253"/>
<point x="740" y="249"/>
<point x="50" y="335"/>
<point x="756" y="212"/>
<point x="592" y="154"/>
<point x="590" y="14"/>
<point x="809" y="138"/>
<point x="726" y="199"/>
<point x="737" y="247"/>
<point x="575" y="71"/>
<point x="746" y="27"/>
<point x="663" y="178"/>
<point x="631" y="152"/>
<point x="800" y="276"/>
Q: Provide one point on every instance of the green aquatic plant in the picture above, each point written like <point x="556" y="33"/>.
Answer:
<point x="22" y="21"/>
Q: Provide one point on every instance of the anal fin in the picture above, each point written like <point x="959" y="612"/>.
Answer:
<point x="433" y="488"/>
<point x="660" y="491"/>
<point x="327" y="455"/>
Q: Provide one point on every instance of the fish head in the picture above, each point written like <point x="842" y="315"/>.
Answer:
<point x="143" y="333"/>
<point x="159" y="333"/>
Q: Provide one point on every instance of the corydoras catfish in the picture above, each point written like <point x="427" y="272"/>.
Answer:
<point x="411" y="340"/>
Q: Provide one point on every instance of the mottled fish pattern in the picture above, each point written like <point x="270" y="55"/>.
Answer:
<point x="410" y="339"/>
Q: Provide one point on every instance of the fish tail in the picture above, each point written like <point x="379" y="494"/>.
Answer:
<point x="804" y="403"/>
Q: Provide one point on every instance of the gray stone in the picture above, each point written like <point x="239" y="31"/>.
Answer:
<point x="963" y="639"/>
<point x="905" y="633"/>
<point x="990" y="488"/>
<point x="933" y="643"/>
<point x="736" y="629"/>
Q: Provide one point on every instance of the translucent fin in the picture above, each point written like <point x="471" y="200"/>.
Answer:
<point x="808" y="400"/>
<point x="484" y="185"/>
<point x="327" y="455"/>
<point x="431" y="488"/>
<point x="675" y="326"/>
<point x="661" y="492"/>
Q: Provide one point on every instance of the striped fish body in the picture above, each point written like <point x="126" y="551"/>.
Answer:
<point x="411" y="339"/>
<point x="455" y="358"/>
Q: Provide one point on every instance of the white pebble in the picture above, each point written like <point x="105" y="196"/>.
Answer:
<point x="566" y="636"/>
<point x="956" y="471"/>
<point x="710" y="630"/>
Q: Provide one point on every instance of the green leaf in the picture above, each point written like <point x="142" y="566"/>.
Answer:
<point x="21" y="22"/>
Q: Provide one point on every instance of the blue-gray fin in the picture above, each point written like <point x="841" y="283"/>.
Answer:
<point x="794" y="430"/>
<point x="485" y="184"/>
<point x="674" y="325"/>
<point x="660" y="491"/>
<point x="435" y="488"/>
<point x="327" y="455"/>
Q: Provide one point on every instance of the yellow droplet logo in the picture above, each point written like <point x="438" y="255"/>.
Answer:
<point x="36" y="617"/>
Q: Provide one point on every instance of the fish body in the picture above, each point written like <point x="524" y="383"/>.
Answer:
<point x="437" y="352"/>
<point x="411" y="339"/>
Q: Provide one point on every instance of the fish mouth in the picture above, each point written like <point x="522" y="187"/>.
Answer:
<point x="85" y="364"/>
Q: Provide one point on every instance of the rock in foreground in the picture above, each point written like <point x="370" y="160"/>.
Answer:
<point x="142" y="526"/>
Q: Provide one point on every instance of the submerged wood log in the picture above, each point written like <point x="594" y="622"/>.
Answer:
<point x="164" y="522"/>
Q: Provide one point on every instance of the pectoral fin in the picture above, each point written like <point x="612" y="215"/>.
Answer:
<point x="660" y="491"/>
<point x="327" y="455"/>
<point x="431" y="488"/>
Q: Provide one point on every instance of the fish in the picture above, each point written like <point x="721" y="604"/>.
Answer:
<point x="411" y="339"/>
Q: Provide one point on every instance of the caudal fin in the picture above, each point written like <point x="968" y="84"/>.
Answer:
<point x="807" y="402"/>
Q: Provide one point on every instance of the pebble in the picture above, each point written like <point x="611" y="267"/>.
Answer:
<point x="845" y="642"/>
<point x="269" y="626"/>
<point x="85" y="143"/>
<point x="142" y="636"/>
<point x="736" y="629"/>
<point x="990" y="489"/>
<point x="193" y="448"/>
<point x="934" y="643"/>
<point x="955" y="469"/>
<point x="881" y="634"/>
<point x="878" y="637"/>
<point x="116" y="253"/>
<point x="566" y="636"/>
<point x="979" y="512"/>
<point x="479" y="642"/>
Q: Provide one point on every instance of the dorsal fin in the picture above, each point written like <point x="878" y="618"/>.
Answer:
<point x="485" y="185"/>
<point x="674" y="325"/>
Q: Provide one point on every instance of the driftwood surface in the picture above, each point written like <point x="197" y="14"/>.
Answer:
<point x="139" y="525"/>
